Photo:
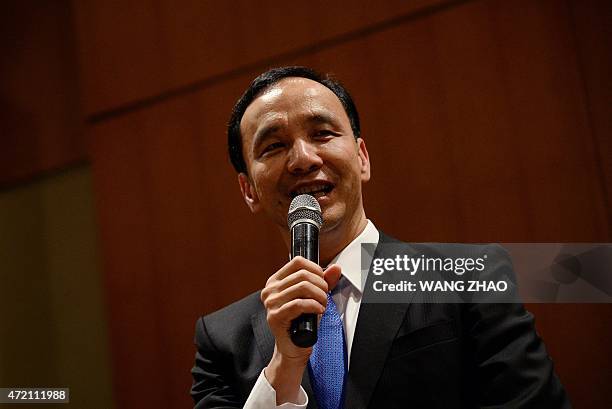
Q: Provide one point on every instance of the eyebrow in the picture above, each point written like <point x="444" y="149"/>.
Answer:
<point x="316" y="118"/>
<point x="323" y="118"/>
<point x="263" y="133"/>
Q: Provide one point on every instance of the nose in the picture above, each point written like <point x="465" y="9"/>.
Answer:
<point x="304" y="157"/>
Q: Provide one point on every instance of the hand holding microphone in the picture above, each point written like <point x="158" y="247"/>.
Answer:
<point x="297" y="292"/>
<point x="304" y="221"/>
<point x="294" y="296"/>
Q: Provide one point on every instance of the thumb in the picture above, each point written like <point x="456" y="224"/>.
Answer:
<point x="332" y="275"/>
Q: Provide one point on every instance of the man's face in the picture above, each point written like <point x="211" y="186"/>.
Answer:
<point x="297" y="138"/>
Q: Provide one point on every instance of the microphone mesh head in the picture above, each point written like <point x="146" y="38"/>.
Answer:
<point x="304" y="208"/>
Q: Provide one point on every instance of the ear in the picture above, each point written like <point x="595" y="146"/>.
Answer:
<point x="364" y="160"/>
<point x="249" y="194"/>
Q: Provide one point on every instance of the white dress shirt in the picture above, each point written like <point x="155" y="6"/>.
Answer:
<point x="347" y="298"/>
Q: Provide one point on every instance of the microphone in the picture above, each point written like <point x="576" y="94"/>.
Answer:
<point x="304" y="220"/>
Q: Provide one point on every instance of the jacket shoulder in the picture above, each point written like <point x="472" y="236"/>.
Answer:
<point x="234" y="319"/>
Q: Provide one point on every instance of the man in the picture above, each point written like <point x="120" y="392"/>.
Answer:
<point x="292" y="132"/>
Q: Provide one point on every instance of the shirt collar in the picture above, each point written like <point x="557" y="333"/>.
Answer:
<point x="349" y="258"/>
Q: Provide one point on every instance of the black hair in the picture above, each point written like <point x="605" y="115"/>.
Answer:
<point x="263" y="82"/>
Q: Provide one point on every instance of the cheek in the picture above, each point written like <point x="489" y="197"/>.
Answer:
<point x="344" y="158"/>
<point x="268" y="192"/>
<point x="262" y="177"/>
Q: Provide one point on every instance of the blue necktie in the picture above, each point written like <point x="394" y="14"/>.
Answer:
<point x="327" y="364"/>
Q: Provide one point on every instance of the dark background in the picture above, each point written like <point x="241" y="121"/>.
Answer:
<point x="486" y="121"/>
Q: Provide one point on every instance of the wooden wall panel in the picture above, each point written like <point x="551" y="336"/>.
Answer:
<point x="476" y="121"/>
<point x="578" y="337"/>
<point x="593" y="31"/>
<point x="131" y="50"/>
<point x="40" y="120"/>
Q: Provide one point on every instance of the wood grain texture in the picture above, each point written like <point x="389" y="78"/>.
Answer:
<point x="132" y="50"/>
<point x="593" y="38"/>
<point x="40" y="119"/>
<point x="577" y="338"/>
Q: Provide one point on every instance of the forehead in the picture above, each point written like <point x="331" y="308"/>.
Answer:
<point x="289" y="99"/>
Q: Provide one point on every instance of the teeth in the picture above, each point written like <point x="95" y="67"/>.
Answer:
<point x="310" y="189"/>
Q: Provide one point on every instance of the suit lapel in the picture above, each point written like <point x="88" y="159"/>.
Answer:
<point x="377" y="326"/>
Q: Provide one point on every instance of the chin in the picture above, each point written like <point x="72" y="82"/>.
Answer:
<point x="331" y="222"/>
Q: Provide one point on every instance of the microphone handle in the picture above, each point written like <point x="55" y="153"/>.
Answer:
<point x="305" y="243"/>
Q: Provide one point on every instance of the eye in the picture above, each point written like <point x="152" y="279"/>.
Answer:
<point x="271" y="147"/>
<point x="324" y="133"/>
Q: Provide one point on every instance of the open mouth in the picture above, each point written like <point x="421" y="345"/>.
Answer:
<point x="317" y="190"/>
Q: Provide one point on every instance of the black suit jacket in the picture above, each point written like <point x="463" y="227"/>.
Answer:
<point x="414" y="354"/>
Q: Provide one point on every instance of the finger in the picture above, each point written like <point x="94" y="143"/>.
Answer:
<point x="293" y="309"/>
<point x="274" y="286"/>
<point x="299" y="276"/>
<point x="295" y="264"/>
<point x="301" y="290"/>
<point x="332" y="275"/>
